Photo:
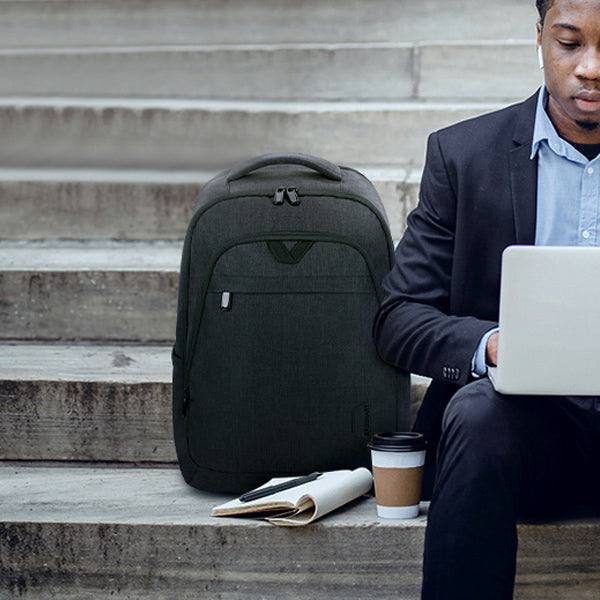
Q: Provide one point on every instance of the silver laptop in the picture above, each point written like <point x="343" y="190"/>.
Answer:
<point x="549" y="321"/>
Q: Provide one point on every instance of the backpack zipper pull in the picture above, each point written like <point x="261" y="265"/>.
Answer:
<point x="279" y="196"/>
<point x="225" y="300"/>
<point x="292" y="194"/>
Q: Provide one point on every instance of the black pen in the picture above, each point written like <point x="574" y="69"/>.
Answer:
<point x="273" y="489"/>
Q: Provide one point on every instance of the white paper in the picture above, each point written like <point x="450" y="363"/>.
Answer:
<point x="330" y="491"/>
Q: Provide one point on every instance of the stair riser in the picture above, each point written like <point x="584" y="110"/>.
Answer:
<point x="132" y="211"/>
<point x="89" y="305"/>
<point x="321" y="74"/>
<point x="149" y="562"/>
<point x="86" y="421"/>
<point x="503" y="71"/>
<point x="94" y="421"/>
<point x="487" y="71"/>
<point x="95" y="210"/>
<point x="102" y="22"/>
<point x="146" y="562"/>
<point x="188" y="137"/>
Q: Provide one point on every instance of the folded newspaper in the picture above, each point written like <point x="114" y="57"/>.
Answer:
<point x="304" y="503"/>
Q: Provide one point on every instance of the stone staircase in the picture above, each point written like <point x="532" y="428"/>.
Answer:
<point x="113" y="115"/>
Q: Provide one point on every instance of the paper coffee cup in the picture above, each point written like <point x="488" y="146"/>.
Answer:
<point x="398" y="460"/>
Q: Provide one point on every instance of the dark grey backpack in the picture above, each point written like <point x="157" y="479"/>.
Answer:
<point x="275" y="371"/>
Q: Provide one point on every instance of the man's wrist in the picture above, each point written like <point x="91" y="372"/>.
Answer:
<point x="479" y="362"/>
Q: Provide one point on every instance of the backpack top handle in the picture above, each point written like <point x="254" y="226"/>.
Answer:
<point x="324" y="167"/>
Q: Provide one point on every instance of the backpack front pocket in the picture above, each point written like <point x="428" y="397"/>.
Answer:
<point x="282" y="358"/>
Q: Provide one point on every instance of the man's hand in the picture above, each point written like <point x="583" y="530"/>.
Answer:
<point x="491" y="350"/>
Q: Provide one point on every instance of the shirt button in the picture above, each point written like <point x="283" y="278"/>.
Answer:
<point x="590" y="170"/>
<point x="586" y="234"/>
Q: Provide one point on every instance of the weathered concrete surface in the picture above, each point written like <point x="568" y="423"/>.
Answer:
<point x="98" y="291"/>
<point x="391" y="71"/>
<point x="90" y="256"/>
<point x="211" y="134"/>
<point x="142" y="533"/>
<point x="140" y="205"/>
<point x="85" y="402"/>
<point x="381" y="71"/>
<point x="104" y="23"/>
<point x="88" y="421"/>
<point x="88" y="402"/>
<point x="135" y="496"/>
<point x="418" y="388"/>
<point x="89" y="363"/>
<point x="95" y="205"/>
<point x="484" y="70"/>
<point x="130" y="532"/>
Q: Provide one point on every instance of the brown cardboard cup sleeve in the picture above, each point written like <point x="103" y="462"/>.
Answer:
<point x="398" y="471"/>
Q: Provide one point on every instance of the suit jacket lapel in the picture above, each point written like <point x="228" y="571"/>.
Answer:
<point x="523" y="175"/>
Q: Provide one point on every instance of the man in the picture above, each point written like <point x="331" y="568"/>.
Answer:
<point x="528" y="174"/>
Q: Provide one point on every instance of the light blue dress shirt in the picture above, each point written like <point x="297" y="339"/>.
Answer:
<point x="568" y="199"/>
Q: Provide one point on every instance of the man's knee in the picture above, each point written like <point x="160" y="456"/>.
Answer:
<point x="476" y="411"/>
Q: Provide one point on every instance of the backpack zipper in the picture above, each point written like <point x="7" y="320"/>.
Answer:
<point x="291" y="193"/>
<point x="292" y="196"/>
<point x="279" y="196"/>
<point x="198" y="212"/>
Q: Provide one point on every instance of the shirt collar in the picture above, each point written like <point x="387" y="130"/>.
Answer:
<point x="544" y="130"/>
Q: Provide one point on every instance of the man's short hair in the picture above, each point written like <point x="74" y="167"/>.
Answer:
<point x="543" y="7"/>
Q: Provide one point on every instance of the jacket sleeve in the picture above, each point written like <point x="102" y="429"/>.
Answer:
<point x="412" y="328"/>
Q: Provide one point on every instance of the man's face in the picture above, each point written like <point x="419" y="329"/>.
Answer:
<point x="570" y="40"/>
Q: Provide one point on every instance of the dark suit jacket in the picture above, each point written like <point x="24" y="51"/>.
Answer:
<point x="478" y="196"/>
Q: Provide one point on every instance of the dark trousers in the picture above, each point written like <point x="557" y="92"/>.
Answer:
<point x="501" y="458"/>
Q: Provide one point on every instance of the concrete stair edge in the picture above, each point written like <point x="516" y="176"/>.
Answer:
<point x="104" y="526"/>
<point x="60" y="132"/>
<point x="104" y="23"/>
<point x="310" y="72"/>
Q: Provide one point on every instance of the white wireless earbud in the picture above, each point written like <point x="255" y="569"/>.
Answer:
<point x="540" y="57"/>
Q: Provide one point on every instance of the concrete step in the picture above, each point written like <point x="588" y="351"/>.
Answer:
<point x="143" y="533"/>
<point x="140" y="534"/>
<point x="91" y="402"/>
<point x="278" y="72"/>
<point x="194" y="134"/>
<point x="140" y="205"/>
<point x="89" y="290"/>
<point x="349" y="72"/>
<point x="142" y="22"/>
<point x="92" y="290"/>
<point x="484" y="70"/>
<point x="86" y="403"/>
